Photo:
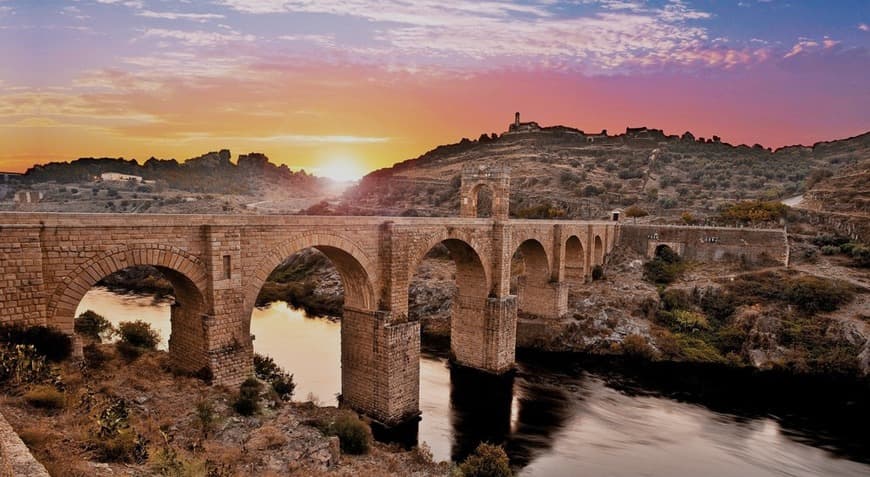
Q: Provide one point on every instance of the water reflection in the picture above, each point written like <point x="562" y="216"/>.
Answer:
<point x="560" y="416"/>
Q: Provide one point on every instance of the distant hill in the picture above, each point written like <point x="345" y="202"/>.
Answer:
<point x="209" y="173"/>
<point x="562" y="171"/>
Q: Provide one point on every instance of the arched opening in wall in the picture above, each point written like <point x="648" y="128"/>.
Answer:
<point x="483" y="197"/>
<point x="168" y="301"/>
<point x="575" y="262"/>
<point x="598" y="251"/>
<point x="299" y="313"/>
<point x="666" y="253"/>
<point x="530" y="277"/>
<point x="448" y="287"/>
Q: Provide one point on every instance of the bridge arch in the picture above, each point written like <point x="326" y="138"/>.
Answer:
<point x="575" y="261"/>
<point x="535" y="261"/>
<point x="357" y="270"/>
<point x="188" y="276"/>
<point x="598" y="251"/>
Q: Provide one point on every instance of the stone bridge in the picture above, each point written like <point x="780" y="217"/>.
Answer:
<point x="217" y="265"/>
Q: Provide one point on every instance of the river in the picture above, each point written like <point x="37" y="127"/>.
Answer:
<point x="558" y="416"/>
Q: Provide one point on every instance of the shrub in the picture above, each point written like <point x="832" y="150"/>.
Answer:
<point x="114" y="440"/>
<point x="353" y="434"/>
<point x="45" y="397"/>
<point x="664" y="268"/>
<point x="94" y="357"/>
<point x="94" y="326"/>
<point x="814" y="294"/>
<point x="597" y="272"/>
<point x="23" y="364"/>
<point x="636" y="346"/>
<point x="689" y="320"/>
<point x="49" y="342"/>
<point x="127" y="351"/>
<point x="487" y="461"/>
<point x="830" y="250"/>
<point x="247" y="403"/>
<point x="139" y="334"/>
<point x="860" y="255"/>
<point x="206" y="416"/>
<point x="281" y="382"/>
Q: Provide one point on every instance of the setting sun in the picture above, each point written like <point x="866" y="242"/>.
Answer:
<point x="340" y="168"/>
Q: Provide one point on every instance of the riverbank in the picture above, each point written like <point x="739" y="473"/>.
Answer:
<point x="184" y="425"/>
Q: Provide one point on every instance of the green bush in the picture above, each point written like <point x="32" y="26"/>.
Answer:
<point x="830" y="250"/>
<point x="814" y="294"/>
<point x="282" y="383"/>
<point x="487" y="461"/>
<point x="247" y="403"/>
<point x="206" y="416"/>
<point x="45" y="397"/>
<point x="353" y="434"/>
<point x="94" y="326"/>
<point x="49" y="342"/>
<point x="860" y="255"/>
<point x="23" y="364"/>
<point x="94" y="357"/>
<point x="139" y="334"/>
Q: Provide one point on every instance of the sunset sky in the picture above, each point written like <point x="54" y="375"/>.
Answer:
<point x="355" y="85"/>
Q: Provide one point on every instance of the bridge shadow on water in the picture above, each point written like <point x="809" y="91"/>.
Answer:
<point x="527" y="411"/>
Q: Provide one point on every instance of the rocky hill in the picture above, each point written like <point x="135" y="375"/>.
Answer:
<point x="210" y="173"/>
<point x="845" y="192"/>
<point x="564" y="172"/>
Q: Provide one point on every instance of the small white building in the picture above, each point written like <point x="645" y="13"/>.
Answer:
<point x="28" y="196"/>
<point x="118" y="177"/>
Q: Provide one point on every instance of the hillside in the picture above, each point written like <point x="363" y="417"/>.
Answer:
<point x="210" y="183"/>
<point x="560" y="171"/>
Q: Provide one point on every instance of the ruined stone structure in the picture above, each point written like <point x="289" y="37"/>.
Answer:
<point x="218" y="264"/>
<point x="709" y="244"/>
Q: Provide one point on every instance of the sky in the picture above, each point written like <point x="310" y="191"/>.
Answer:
<point x="340" y="88"/>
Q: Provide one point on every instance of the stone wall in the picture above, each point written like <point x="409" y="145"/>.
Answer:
<point x="15" y="458"/>
<point x="708" y="244"/>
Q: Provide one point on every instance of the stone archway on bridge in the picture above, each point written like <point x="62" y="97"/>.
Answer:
<point x="575" y="261"/>
<point x="598" y="251"/>
<point x="469" y="304"/>
<point x="368" y="341"/>
<point x="356" y="268"/>
<point x="476" y="177"/>
<point x="531" y="267"/>
<point x="188" y="346"/>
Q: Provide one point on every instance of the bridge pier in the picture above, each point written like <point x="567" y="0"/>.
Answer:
<point x="380" y="366"/>
<point x="484" y="337"/>
<point x="546" y="300"/>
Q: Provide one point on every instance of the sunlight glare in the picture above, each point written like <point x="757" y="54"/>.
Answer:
<point x="341" y="168"/>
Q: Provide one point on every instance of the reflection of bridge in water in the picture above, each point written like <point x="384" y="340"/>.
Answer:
<point x="218" y="264"/>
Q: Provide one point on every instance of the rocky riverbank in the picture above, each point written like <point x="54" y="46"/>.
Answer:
<point x="179" y="425"/>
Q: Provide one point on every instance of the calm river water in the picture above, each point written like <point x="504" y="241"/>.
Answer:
<point x="558" y="417"/>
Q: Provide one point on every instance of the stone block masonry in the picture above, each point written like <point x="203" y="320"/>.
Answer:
<point x="217" y="265"/>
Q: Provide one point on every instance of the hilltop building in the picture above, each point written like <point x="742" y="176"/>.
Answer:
<point x="520" y="127"/>
<point x="118" y="177"/>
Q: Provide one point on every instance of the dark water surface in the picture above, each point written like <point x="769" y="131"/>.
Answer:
<point x="559" y="415"/>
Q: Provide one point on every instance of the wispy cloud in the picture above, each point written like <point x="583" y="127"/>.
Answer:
<point x="198" y="37"/>
<point x="197" y="17"/>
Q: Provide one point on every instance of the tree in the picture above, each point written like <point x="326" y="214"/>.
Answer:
<point x="635" y="212"/>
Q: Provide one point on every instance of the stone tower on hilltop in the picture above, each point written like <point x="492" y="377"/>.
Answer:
<point x="520" y="127"/>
